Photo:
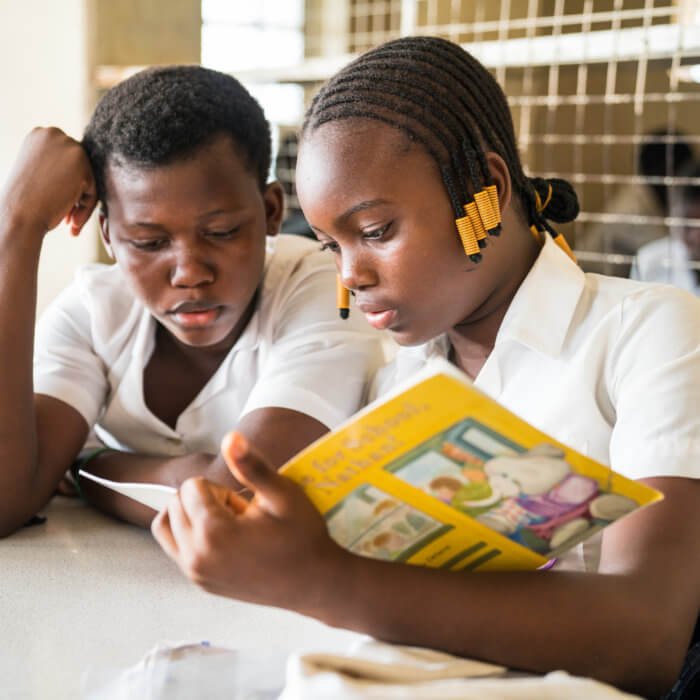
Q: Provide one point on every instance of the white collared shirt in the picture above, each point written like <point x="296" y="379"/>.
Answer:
<point x="608" y="366"/>
<point x="94" y="342"/>
<point x="666" y="261"/>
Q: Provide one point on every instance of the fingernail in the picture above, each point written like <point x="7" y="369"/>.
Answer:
<point x="234" y="445"/>
<point x="239" y="445"/>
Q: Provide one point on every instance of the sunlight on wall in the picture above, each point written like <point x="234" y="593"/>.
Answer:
<point x="43" y="58"/>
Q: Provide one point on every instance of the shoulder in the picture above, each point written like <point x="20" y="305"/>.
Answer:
<point x="627" y="311"/>
<point x="98" y="304"/>
<point x="298" y="285"/>
<point x="291" y="258"/>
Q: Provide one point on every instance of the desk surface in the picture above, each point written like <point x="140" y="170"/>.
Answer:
<point x="83" y="591"/>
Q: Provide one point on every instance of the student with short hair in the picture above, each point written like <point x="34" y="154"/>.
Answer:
<point x="409" y="172"/>
<point x="674" y="259"/>
<point x="208" y="320"/>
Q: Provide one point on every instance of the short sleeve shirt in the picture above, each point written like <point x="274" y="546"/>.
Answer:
<point x="608" y="366"/>
<point x="94" y="342"/>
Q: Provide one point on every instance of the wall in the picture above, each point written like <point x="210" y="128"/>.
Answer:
<point x="49" y="55"/>
<point x="43" y="69"/>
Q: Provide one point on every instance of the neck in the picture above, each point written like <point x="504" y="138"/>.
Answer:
<point x="473" y="339"/>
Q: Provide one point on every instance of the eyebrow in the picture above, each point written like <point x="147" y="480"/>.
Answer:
<point x="153" y="225"/>
<point x="360" y="206"/>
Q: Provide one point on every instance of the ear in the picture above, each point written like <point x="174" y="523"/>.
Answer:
<point x="104" y="233"/>
<point x="501" y="178"/>
<point x="273" y="196"/>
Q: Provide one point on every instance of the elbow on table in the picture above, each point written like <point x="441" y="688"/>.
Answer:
<point x="10" y="525"/>
<point x="14" y="513"/>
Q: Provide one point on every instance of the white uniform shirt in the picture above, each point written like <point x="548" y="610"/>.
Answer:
<point x="666" y="261"/>
<point x="94" y="342"/>
<point x="608" y="366"/>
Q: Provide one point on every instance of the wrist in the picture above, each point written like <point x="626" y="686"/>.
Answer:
<point x="18" y="234"/>
<point x="330" y="593"/>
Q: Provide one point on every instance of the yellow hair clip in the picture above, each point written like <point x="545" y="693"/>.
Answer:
<point x="468" y="238"/>
<point x="489" y="210"/>
<point x="472" y="212"/>
<point x="342" y="296"/>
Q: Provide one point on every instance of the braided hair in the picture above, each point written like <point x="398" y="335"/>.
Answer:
<point x="441" y="97"/>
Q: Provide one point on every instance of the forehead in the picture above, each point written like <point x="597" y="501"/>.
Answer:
<point x="355" y="140"/>
<point x="216" y="171"/>
<point x="353" y="152"/>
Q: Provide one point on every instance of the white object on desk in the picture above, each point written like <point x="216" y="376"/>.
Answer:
<point x="86" y="592"/>
<point x="154" y="496"/>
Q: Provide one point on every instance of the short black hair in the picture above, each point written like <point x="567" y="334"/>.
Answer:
<point x="662" y="157"/>
<point x="440" y="96"/>
<point x="164" y="114"/>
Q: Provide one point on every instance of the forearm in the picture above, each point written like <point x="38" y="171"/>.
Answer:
<point x="171" y="471"/>
<point x="603" y="626"/>
<point x="19" y="257"/>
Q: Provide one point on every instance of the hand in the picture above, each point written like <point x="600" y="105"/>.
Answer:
<point x="274" y="550"/>
<point x="51" y="180"/>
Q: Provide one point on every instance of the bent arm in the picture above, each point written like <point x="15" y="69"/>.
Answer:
<point x="37" y="437"/>
<point x="279" y="432"/>
<point x="629" y="624"/>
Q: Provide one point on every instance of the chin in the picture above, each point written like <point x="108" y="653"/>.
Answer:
<point x="408" y="337"/>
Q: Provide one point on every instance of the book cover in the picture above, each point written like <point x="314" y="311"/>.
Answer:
<point x="439" y="474"/>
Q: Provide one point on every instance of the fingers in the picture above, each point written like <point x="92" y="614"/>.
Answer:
<point x="160" y="529"/>
<point x="229" y="498"/>
<point x="81" y="211"/>
<point x="273" y="491"/>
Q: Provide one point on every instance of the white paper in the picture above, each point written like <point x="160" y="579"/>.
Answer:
<point x="154" y="496"/>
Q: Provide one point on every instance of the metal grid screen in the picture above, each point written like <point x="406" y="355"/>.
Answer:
<point x="601" y="91"/>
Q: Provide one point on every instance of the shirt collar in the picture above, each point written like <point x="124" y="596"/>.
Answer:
<point x="540" y="314"/>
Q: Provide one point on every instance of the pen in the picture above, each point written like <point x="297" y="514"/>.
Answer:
<point x="342" y="296"/>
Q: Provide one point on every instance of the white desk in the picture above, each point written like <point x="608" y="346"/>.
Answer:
<point x="83" y="591"/>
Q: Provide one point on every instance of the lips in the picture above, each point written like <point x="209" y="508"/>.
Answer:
<point x="380" y="316"/>
<point x="194" y="314"/>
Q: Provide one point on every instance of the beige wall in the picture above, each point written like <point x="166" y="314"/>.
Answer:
<point x="43" y="69"/>
<point x="49" y="50"/>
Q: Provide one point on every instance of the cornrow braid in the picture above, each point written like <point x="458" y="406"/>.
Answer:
<point x="441" y="97"/>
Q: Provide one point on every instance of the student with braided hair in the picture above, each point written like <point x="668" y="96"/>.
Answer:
<point x="409" y="173"/>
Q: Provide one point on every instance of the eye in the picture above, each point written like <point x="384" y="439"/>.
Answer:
<point x="223" y="235"/>
<point x="149" y="246"/>
<point x="376" y="234"/>
<point x="330" y="245"/>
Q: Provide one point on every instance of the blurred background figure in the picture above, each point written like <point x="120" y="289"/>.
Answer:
<point x="642" y="204"/>
<point x="675" y="258"/>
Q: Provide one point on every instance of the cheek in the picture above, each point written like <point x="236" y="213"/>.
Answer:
<point x="143" y="274"/>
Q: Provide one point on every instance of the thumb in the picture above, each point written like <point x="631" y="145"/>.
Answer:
<point x="273" y="491"/>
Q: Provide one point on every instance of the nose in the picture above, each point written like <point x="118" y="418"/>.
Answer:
<point x="190" y="266"/>
<point x="357" y="269"/>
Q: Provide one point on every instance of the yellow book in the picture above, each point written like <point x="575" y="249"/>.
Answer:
<point x="439" y="474"/>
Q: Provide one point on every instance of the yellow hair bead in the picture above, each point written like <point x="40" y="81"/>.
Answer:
<point x="467" y="235"/>
<point x="495" y="205"/>
<point x="489" y="217"/>
<point x="473" y="213"/>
